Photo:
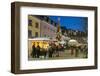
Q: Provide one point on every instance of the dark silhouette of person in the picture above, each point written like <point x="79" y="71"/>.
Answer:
<point x="77" y="51"/>
<point x="50" y="51"/>
<point x="72" y="50"/>
<point x="86" y="51"/>
<point x="57" y="50"/>
<point x="38" y="51"/>
<point x="33" y="50"/>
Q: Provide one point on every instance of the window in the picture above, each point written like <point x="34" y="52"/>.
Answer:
<point x="36" y="25"/>
<point x="30" y="22"/>
<point x="45" y="27"/>
<point x="51" y="29"/>
<point x="29" y="33"/>
<point x="44" y="35"/>
<point x="36" y="34"/>
<point x="48" y="28"/>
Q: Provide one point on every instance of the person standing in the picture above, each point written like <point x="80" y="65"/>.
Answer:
<point x="50" y="51"/>
<point x="38" y="51"/>
<point x="77" y="51"/>
<point x="72" y="50"/>
<point x="33" y="51"/>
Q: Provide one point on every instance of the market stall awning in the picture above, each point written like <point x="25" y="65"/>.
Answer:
<point x="73" y="42"/>
<point x="40" y="39"/>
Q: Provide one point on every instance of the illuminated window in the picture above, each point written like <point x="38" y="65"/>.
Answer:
<point x="29" y="33"/>
<point x="30" y="22"/>
<point x="36" y="25"/>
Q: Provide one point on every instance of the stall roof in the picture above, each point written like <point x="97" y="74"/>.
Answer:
<point x="39" y="38"/>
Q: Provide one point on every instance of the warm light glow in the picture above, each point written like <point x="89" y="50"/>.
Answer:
<point x="42" y="44"/>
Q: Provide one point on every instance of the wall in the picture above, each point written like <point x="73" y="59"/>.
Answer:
<point x="33" y="27"/>
<point x="5" y="35"/>
<point x="47" y="29"/>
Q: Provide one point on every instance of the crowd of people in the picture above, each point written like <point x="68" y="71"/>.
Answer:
<point x="50" y="51"/>
<point x="75" y="50"/>
<point x="54" y="50"/>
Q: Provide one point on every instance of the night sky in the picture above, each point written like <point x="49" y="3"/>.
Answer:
<point x="74" y="23"/>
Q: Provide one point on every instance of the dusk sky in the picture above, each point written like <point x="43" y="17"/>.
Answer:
<point x="75" y="23"/>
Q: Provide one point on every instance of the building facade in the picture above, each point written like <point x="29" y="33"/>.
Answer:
<point x="48" y="29"/>
<point x="41" y="26"/>
<point x="37" y="27"/>
<point x="33" y="27"/>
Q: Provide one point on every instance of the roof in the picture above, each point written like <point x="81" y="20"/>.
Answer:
<point x="40" y="39"/>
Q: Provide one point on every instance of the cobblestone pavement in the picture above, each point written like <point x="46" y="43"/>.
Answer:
<point x="63" y="55"/>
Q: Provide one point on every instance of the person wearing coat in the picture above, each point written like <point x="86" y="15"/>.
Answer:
<point x="38" y="51"/>
<point x="33" y="51"/>
<point x="50" y="51"/>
